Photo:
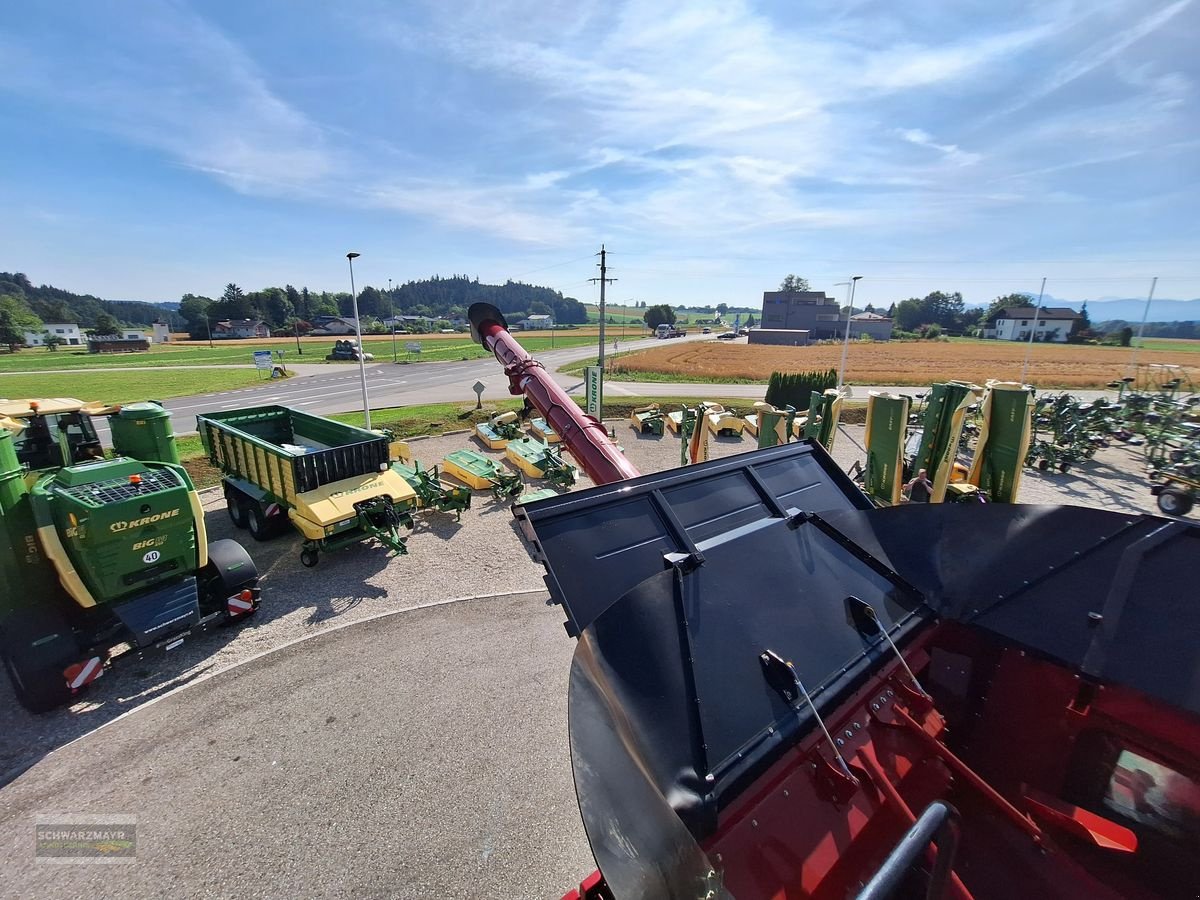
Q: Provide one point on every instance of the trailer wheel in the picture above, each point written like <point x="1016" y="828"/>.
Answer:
<point x="36" y="672"/>
<point x="1175" y="502"/>
<point x="262" y="527"/>
<point x="308" y="557"/>
<point x="235" y="504"/>
<point x="1043" y="464"/>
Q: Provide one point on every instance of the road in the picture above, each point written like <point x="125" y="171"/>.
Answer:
<point x="421" y="754"/>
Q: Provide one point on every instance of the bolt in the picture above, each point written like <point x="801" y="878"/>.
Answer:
<point x="857" y="726"/>
<point x="771" y="729"/>
<point x="840" y="742"/>
<point x="849" y="733"/>
<point x="785" y="793"/>
<point x="710" y="778"/>
<point x="754" y="822"/>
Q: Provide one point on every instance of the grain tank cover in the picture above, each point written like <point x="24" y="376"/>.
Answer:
<point x="143" y="431"/>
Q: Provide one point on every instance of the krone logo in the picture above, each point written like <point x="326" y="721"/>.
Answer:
<point x="145" y="520"/>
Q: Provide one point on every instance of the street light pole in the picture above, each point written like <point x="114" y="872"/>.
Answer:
<point x="1033" y="331"/>
<point x="846" y="341"/>
<point x="362" y="365"/>
<point x="392" y="318"/>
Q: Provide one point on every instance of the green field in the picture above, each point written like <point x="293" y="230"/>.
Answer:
<point x="1182" y="346"/>
<point x="126" y="387"/>
<point x="434" y="348"/>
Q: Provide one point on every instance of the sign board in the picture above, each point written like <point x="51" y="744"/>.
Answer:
<point x="478" y="387"/>
<point x="413" y="347"/>
<point x="263" y="360"/>
<point x="593" y="381"/>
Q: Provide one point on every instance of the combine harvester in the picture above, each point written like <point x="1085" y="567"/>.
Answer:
<point x="332" y="482"/>
<point x="782" y="691"/>
<point x="98" y="553"/>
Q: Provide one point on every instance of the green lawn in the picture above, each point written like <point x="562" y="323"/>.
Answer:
<point x="1183" y="346"/>
<point x="577" y="367"/>
<point x="127" y="387"/>
<point x="434" y="348"/>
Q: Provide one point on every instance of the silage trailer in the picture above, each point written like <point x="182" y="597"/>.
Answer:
<point x="332" y="481"/>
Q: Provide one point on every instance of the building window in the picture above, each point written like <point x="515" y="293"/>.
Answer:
<point x="1024" y="321"/>
<point x="60" y="331"/>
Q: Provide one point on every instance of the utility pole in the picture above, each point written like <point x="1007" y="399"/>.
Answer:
<point x="1142" y="327"/>
<point x="603" y="279"/>
<point x="392" y="317"/>
<point x="1036" y="315"/>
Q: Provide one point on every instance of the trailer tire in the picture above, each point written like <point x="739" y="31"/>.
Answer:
<point x="308" y="557"/>
<point x="262" y="527"/>
<point x="36" y="673"/>
<point x="235" y="503"/>
<point x="1175" y="502"/>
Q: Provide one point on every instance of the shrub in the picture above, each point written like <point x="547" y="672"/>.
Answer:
<point x="796" y="388"/>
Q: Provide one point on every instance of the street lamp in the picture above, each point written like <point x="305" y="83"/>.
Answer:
<point x="846" y="342"/>
<point x="392" y="318"/>
<point x="362" y="365"/>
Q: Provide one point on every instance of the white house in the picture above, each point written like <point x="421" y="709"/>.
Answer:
<point x="531" y="323"/>
<point x="69" y="333"/>
<point x="241" y="328"/>
<point x="325" y="325"/>
<point x="162" y="333"/>
<point x="1016" y="323"/>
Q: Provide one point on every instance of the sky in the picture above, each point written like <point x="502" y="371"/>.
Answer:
<point x="160" y="147"/>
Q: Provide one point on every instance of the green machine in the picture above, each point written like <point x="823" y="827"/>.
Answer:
<point x="481" y="473"/>
<point x="941" y="429"/>
<point x="97" y="553"/>
<point x="774" y="425"/>
<point x="887" y="422"/>
<point x="538" y="460"/>
<point x="1003" y="441"/>
<point x="823" y="416"/>
<point x="432" y="492"/>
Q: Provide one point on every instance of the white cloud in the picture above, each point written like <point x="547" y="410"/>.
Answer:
<point x="952" y="152"/>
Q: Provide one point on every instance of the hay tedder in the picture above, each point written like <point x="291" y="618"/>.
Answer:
<point x="779" y="690"/>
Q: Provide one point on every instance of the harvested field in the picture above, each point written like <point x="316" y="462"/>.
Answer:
<point x="895" y="362"/>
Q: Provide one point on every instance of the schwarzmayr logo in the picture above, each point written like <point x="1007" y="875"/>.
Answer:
<point x="77" y="839"/>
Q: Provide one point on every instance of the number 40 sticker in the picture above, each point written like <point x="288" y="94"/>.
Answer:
<point x="151" y="557"/>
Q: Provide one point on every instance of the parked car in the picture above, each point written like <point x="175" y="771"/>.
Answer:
<point x="706" y="330"/>
<point x="726" y="336"/>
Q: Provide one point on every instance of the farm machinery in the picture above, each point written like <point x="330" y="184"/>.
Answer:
<point x="1067" y="431"/>
<point x="480" y="473"/>
<point x="924" y="699"/>
<point x="332" y="482"/>
<point x="538" y="460"/>
<point x="431" y="492"/>
<point x="647" y="419"/>
<point x="499" y="429"/>
<point x="98" y="554"/>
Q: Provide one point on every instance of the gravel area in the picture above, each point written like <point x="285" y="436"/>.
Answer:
<point x="481" y="555"/>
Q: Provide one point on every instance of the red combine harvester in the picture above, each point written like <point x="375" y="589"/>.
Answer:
<point x="779" y="691"/>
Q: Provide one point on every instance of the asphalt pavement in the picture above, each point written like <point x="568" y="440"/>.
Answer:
<point x="421" y="754"/>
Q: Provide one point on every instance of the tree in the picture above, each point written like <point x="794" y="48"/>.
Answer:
<point x="891" y="311"/>
<point x="15" y="319"/>
<point x="51" y="341"/>
<point x="793" y="285"/>
<point x="1008" y="300"/>
<point x="105" y="324"/>
<point x="658" y="315"/>
<point x="722" y="308"/>
<point x="233" y="293"/>
<point x="1126" y="336"/>
<point x="750" y="320"/>
<point x="195" y="314"/>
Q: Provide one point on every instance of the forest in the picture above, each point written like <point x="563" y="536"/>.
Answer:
<point x="287" y="307"/>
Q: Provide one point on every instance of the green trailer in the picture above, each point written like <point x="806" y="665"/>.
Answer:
<point x="941" y="428"/>
<point x="331" y="481"/>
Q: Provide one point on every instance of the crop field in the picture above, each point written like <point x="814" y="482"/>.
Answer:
<point x="896" y="362"/>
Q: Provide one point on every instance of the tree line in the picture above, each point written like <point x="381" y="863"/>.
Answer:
<point x="26" y="307"/>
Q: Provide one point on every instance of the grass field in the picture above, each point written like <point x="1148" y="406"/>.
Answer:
<point x="895" y="362"/>
<point x="125" y="387"/>
<point x="434" y="348"/>
<point x="1171" y="344"/>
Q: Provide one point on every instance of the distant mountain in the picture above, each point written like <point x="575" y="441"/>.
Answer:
<point x="1129" y="310"/>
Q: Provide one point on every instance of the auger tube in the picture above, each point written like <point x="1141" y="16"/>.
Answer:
<point x="585" y="437"/>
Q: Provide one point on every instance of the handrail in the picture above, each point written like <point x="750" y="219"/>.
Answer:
<point x="939" y="824"/>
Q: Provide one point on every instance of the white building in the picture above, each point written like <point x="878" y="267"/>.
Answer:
<point x="162" y="333"/>
<point x="70" y="335"/>
<point x="1016" y="323"/>
<point x="531" y="323"/>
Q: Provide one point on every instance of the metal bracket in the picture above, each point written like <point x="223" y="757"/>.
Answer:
<point x="839" y="783"/>
<point x="866" y="620"/>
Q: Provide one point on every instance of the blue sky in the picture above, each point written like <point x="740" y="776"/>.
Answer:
<point x="153" y="148"/>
